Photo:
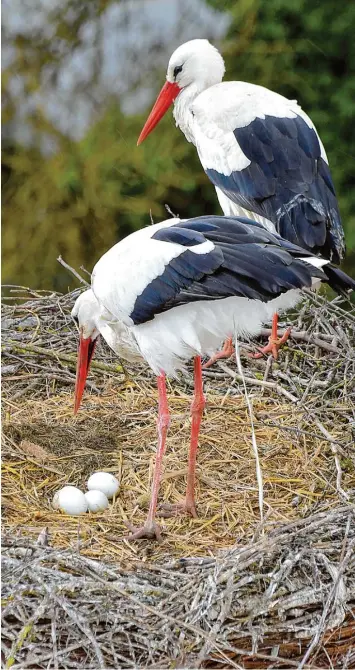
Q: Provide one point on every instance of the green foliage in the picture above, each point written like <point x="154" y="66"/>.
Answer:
<point x="80" y="201"/>
<point x="89" y="194"/>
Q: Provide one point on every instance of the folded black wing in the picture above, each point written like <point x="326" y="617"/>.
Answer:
<point x="220" y="257"/>
<point x="288" y="181"/>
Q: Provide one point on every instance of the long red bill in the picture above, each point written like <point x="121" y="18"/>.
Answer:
<point x="166" y="97"/>
<point x="85" y="354"/>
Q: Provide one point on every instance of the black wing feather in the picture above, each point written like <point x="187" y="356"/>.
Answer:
<point x="246" y="261"/>
<point x="287" y="182"/>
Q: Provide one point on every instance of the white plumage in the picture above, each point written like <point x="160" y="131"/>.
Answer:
<point x="222" y="108"/>
<point x="176" y="335"/>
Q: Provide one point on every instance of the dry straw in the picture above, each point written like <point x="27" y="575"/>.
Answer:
<point x="222" y="590"/>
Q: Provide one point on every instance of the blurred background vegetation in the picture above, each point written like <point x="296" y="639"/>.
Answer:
<point x="79" y="77"/>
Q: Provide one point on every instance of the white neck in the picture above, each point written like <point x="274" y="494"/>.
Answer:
<point x="182" y="109"/>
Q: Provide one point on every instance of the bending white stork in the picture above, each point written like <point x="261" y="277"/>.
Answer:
<point x="259" y="149"/>
<point x="173" y="291"/>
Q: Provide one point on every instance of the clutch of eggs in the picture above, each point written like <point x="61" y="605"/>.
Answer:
<point x="72" y="501"/>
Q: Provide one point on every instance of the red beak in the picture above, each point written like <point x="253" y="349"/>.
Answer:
<point x="165" y="98"/>
<point x="85" y="354"/>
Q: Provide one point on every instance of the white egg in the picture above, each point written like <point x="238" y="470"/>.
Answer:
<point x="96" y="500"/>
<point x="70" y="500"/>
<point x="104" y="482"/>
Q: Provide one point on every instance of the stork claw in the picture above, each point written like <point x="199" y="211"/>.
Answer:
<point x="168" y="510"/>
<point x="274" y="345"/>
<point x="150" y="531"/>
<point x="226" y="352"/>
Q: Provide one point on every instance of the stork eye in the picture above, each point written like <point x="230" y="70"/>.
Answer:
<point x="76" y="320"/>
<point x="177" y="69"/>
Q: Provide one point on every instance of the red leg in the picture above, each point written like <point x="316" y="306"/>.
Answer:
<point x="197" y="407"/>
<point x="226" y="352"/>
<point x="151" y="529"/>
<point x="275" y="342"/>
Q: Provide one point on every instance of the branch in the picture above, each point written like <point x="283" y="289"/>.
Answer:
<point x="258" y="382"/>
<point x="66" y="358"/>
<point x="73" y="272"/>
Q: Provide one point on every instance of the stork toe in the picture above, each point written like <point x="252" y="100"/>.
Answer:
<point x="226" y="352"/>
<point x="273" y="346"/>
<point x="150" y="531"/>
<point x="168" y="510"/>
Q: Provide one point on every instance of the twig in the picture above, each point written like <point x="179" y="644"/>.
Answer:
<point x="323" y="301"/>
<point x="259" y="475"/>
<point x="67" y="358"/>
<point x="86" y="271"/>
<point x="258" y="382"/>
<point x="268" y="367"/>
<point x="73" y="272"/>
<point x="84" y="627"/>
<point x="321" y="626"/>
<point x="25" y="632"/>
<point x="51" y="374"/>
<point x="175" y="216"/>
<point x="334" y="449"/>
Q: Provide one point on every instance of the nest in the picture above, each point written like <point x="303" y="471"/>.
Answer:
<point x="267" y="604"/>
<point x="263" y="574"/>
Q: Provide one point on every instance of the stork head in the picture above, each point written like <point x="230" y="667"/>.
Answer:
<point x="196" y="63"/>
<point x="85" y="313"/>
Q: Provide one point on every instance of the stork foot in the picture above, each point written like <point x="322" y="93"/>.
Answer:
<point x="168" y="510"/>
<point x="150" y="531"/>
<point x="226" y="352"/>
<point x="273" y="347"/>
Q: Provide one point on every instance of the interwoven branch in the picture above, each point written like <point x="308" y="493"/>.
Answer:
<point x="298" y="582"/>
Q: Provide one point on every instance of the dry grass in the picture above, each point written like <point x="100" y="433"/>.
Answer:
<point x="303" y="415"/>
<point x="116" y="432"/>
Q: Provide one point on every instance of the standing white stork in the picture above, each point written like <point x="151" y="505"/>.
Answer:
<point x="173" y="291"/>
<point x="259" y="149"/>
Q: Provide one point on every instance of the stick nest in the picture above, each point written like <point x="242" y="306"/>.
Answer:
<point x="226" y="589"/>
<point x="267" y="604"/>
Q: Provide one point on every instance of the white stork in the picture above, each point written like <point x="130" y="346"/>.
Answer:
<point x="174" y="290"/>
<point x="259" y="149"/>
